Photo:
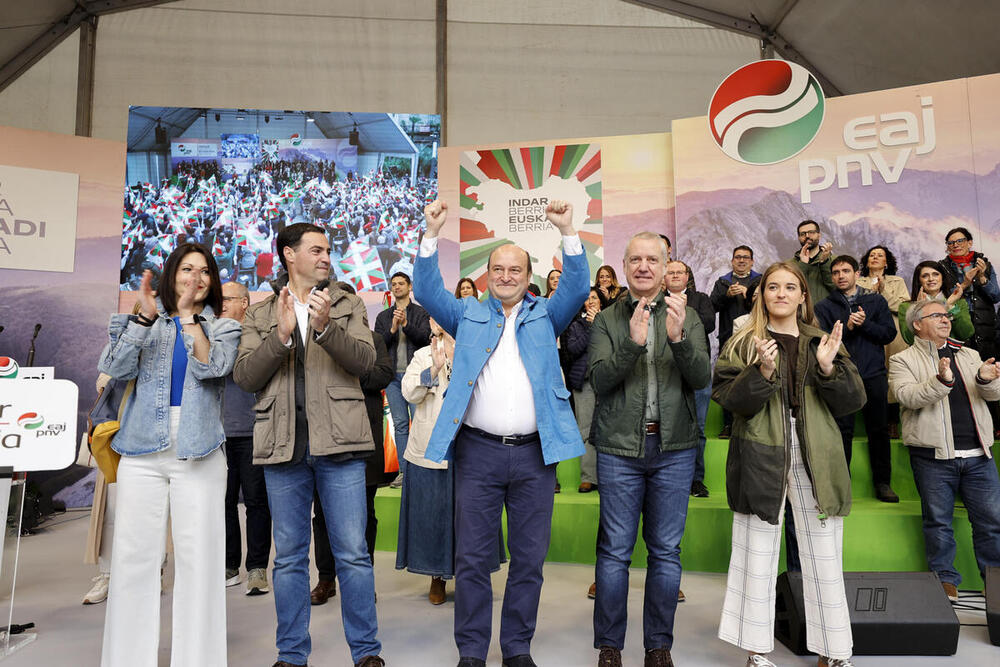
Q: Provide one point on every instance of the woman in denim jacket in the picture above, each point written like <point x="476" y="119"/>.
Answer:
<point x="172" y="465"/>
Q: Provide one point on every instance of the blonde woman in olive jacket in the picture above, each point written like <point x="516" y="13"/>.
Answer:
<point x="784" y="381"/>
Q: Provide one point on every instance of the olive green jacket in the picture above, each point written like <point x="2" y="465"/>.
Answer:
<point x="758" y="461"/>
<point x="619" y="378"/>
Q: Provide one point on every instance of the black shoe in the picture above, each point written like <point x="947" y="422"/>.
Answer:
<point x="282" y="663"/>
<point x="471" y="662"/>
<point x="885" y="493"/>
<point x="371" y="661"/>
<point x="519" y="661"/>
<point x="609" y="657"/>
<point x="698" y="489"/>
<point x="726" y="432"/>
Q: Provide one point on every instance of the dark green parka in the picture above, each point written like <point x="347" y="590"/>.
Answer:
<point x="758" y="461"/>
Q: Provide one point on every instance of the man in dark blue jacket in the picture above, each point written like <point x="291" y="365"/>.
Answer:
<point x="868" y="328"/>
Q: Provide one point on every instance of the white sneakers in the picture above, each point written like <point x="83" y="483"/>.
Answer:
<point x="758" y="660"/>
<point x="98" y="593"/>
<point x="232" y="577"/>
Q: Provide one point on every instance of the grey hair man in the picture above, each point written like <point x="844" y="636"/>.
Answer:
<point x="942" y="389"/>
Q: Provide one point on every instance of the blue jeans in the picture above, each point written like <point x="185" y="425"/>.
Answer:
<point x="402" y="412"/>
<point x="701" y="399"/>
<point x="938" y="481"/>
<point x="656" y="486"/>
<point x="341" y="488"/>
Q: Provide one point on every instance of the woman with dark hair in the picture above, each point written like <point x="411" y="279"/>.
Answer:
<point x="552" y="282"/>
<point x="466" y="287"/>
<point x="932" y="281"/>
<point x="878" y="274"/>
<point x="785" y="381"/>
<point x="575" y="344"/>
<point x="607" y="286"/>
<point x="172" y="464"/>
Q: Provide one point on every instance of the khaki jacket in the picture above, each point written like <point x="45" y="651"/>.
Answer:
<point x="335" y="407"/>
<point x="896" y="293"/>
<point x="923" y="399"/>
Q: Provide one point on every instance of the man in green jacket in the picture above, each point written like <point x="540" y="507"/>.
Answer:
<point x="814" y="260"/>
<point x="648" y="353"/>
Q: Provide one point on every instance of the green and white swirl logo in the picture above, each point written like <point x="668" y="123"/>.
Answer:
<point x="766" y="112"/>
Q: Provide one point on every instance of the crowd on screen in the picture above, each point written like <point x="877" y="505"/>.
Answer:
<point x="375" y="216"/>
<point x="283" y="401"/>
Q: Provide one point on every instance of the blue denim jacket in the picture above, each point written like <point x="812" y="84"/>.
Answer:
<point x="145" y="353"/>
<point x="476" y="327"/>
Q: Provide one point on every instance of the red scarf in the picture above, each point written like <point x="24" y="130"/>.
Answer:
<point x="965" y="260"/>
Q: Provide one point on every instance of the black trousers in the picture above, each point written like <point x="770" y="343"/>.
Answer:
<point x="321" y="539"/>
<point x="875" y="414"/>
<point x="243" y="474"/>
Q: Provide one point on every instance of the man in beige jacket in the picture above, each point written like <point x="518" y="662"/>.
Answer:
<point x="942" y="389"/>
<point x="301" y="352"/>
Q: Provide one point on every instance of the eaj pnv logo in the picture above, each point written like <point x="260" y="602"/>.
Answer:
<point x="8" y="368"/>
<point x="30" y="421"/>
<point x="766" y="112"/>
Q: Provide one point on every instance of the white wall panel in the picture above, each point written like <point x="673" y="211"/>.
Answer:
<point x="183" y="55"/>
<point x="44" y="97"/>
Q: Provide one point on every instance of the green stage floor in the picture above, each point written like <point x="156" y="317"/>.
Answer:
<point x="877" y="536"/>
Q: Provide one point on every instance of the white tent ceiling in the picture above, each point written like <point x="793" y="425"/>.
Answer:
<point x="856" y="46"/>
<point x="516" y="70"/>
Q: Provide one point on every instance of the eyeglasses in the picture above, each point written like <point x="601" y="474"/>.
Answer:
<point x="742" y="257"/>
<point x="955" y="242"/>
<point x="676" y="273"/>
<point x="938" y="316"/>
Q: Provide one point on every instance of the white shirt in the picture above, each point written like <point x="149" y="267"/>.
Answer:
<point x="502" y="402"/>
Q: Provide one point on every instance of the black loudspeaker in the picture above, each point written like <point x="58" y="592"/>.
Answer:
<point x="892" y="613"/>
<point x="161" y="134"/>
<point x="993" y="604"/>
<point x="354" y="138"/>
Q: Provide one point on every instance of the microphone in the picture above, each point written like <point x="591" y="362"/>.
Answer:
<point x="31" y="349"/>
<point x="1" y="328"/>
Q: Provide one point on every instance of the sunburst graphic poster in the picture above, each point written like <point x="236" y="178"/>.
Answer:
<point x="503" y="196"/>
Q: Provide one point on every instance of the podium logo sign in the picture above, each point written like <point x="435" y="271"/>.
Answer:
<point x="766" y="112"/>
<point x="8" y="368"/>
<point x="37" y="219"/>
<point x="38" y="424"/>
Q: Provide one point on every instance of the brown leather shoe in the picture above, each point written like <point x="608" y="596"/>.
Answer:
<point x="586" y="487"/>
<point x="950" y="590"/>
<point x="436" y="594"/>
<point x="609" y="657"/>
<point x="658" y="657"/>
<point x="592" y="591"/>
<point x="680" y="595"/>
<point x="371" y="661"/>
<point x="324" y="591"/>
<point x="282" y="663"/>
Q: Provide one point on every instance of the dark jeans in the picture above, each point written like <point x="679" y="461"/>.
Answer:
<point x="321" y="539"/>
<point x="938" y="482"/>
<point x="875" y="414"/>
<point x="701" y="400"/>
<point x="244" y="474"/>
<point x="657" y="487"/>
<point x="488" y="476"/>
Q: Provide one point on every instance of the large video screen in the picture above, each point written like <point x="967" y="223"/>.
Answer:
<point x="232" y="179"/>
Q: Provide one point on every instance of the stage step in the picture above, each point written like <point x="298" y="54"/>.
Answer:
<point x="877" y="536"/>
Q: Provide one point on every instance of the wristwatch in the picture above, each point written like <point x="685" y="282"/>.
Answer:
<point x="191" y="319"/>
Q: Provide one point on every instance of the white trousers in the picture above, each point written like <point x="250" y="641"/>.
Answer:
<point x="748" y="609"/>
<point x="151" y="488"/>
